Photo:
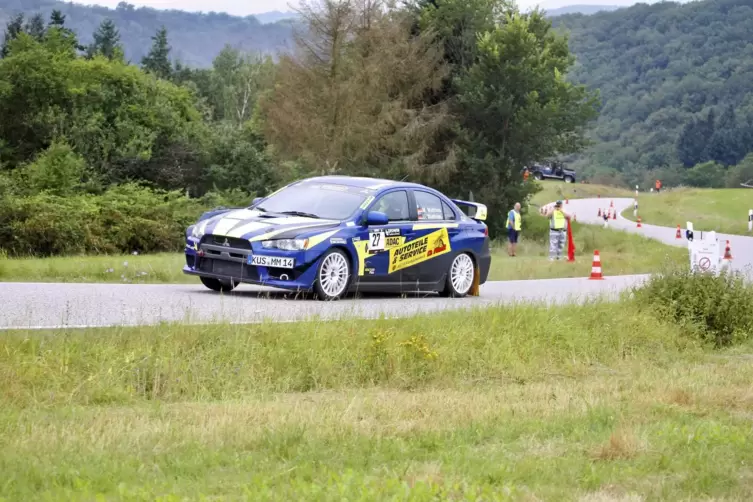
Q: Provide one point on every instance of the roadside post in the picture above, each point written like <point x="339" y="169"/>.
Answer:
<point x="689" y="232"/>
<point x="704" y="254"/>
<point x="635" y="207"/>
<point x="750" y="220"/>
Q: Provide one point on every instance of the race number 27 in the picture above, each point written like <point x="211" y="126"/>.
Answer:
<point x="376" y="241"/>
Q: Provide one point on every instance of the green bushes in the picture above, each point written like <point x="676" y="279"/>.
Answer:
<point x="124" y="219"/>
<point x="715" y="308"/>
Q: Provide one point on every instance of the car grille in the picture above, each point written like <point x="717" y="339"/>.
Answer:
<point x="232" y="269"/>
<point x="226" y="242"/>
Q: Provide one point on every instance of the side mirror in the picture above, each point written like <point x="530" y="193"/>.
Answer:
<point x="256" y="201"/>
<point x="377" y="218"/>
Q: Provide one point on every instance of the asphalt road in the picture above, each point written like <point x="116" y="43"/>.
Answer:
<point x="46" y="305"/>
<point x="586" y="211"/>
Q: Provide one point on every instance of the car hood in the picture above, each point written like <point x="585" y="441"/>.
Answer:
<point x="253" y="225"/>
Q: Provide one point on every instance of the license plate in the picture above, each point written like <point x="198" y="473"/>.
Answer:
<point x="271" y="261"/>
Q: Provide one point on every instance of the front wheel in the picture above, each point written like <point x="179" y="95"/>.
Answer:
<point x="217" y="285"/>
<point x="460" y="276"/>
<point x="333" y="276"/>
<point x="538" y="176"/>
<point x="568" y="179"/>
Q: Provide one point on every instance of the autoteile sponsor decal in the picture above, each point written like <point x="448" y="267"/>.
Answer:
<point x="419" y="250"/>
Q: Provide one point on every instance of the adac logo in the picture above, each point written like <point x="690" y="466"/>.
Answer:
<point x="438" y="246"/>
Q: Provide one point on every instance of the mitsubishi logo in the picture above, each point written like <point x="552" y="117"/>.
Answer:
<point x="226" y="243"/>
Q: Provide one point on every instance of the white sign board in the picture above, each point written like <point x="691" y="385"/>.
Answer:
<point x="704" y="254"/>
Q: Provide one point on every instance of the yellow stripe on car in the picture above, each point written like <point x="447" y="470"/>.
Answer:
<point x="319" y="238"/>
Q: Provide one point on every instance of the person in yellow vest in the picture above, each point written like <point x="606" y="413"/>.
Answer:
<point x="513" y="228"/>
<point x="557" y="230"/>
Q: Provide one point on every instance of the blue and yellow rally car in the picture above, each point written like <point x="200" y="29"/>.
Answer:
<point x="339" y="234"/>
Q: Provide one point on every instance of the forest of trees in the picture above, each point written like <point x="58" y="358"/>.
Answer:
<point x="196" y="38"/>
<point x="102" y="154"/>
<point x="676" y="90"/>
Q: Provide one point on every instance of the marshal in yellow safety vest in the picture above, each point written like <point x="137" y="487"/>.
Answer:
<point x="515" y="224"/>
<point x="557" y="221"/>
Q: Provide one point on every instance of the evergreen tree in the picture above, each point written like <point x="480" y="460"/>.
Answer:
<point x="106" y="42"/>
<point x="725" y="144"/>
<point x="14" y="28"/>
<point x="691" y="144"/>
<point x="35" y="27"/>
<point x="57" y="19"/>
<point x="157" y="60"/>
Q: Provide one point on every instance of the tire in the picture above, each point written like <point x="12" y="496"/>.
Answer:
<point x="569" y="179"/>
<point x="218" y="285"/>
<point x="538" y="176"/>
<point x="464" y="269"/>
<point x="332" y="276"/>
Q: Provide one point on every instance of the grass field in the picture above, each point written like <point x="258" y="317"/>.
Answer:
<point x="556" y="190"/>
<point x="621" y="253"/>
<point x="723" y="210"/>
<point x="595" y="403"/>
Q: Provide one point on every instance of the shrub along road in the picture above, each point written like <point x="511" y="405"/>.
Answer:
<point x="45" y="305"/>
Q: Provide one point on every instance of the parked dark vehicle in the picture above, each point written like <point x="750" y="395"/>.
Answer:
<point x="552" y="171"/>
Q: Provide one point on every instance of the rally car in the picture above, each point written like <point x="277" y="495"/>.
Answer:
<point x="338" y="234"/>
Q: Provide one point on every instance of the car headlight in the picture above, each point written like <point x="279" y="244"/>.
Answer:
<point x="195" y="232"/>
<point x="286" y="244"/>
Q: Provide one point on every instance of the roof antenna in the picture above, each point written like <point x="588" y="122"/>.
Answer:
<point x="405" y="178"/>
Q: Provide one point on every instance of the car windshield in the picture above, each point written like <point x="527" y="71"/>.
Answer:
<point x="316" y="200"/>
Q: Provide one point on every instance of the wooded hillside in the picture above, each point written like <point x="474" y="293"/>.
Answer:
<point x="675" y="81"/>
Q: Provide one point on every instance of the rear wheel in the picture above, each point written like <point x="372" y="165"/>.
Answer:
<point x="460" y="276"/>
<point x="538" y="176"/>
<point x="333" y="276"/>
<point x="217" y="285"/>
<point x="568" y="179"/>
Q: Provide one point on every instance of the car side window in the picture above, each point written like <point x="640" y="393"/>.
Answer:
<point x="449" y="214"/>
<point x="429" y="206"/>
<point x="394" y="205"/>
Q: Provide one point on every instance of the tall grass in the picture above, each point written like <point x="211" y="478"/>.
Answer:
<point x="604" y="401"/>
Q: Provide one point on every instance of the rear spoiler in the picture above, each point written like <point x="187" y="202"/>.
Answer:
<point x="478" y="211"/>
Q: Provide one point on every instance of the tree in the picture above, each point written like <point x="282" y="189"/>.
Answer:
<point x="157" y="61"/>
<point x="727" y="145"/>
<point x="57" y="19"/>
<point x="35" y="27"/>
<point x="237" y="81"/>
<point x="350" y="99"/>
<point x="106" y="42"/>
<point x="14" y="28"/>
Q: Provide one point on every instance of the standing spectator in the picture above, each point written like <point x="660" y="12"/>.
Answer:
<point x="557" y="227"/>
<point x="513" y="228"/>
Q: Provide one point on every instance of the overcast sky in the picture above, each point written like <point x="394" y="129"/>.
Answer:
<point x="245" y="7"/>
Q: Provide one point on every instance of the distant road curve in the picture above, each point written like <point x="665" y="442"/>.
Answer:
<point x="58" y="305"/>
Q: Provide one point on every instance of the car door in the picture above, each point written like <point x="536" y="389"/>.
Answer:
<point x="438" y="224"/>
<point x="377" y="241"/>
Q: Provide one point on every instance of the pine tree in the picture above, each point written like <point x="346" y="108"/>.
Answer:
<point x="36" y="28"/>
<point x="106" y="42"/>
<point x="57" y="19"/>
<point x="14" y="28"/>
<point x="157" y="60"/>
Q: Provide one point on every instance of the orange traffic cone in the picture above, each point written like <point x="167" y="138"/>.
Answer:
<point x="639" y="222"/>
<point x="727" y="253"/>
<point x="567" y="201"/>
<point x="678" y="235"/>
<point x="596" y="267"/>
<point x="611" y="204"/>
<point x="614" y="214"/>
